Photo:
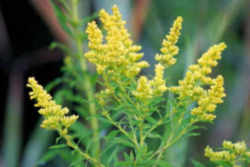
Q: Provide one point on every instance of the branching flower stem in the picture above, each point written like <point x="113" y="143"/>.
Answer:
<point x="160" y="122"/>
<point x="132" y="139"/>
<point x="75" y="147"/>
<point x="171" y="141"/>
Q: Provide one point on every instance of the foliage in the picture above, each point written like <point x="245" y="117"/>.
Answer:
<point x="133" y="120"/>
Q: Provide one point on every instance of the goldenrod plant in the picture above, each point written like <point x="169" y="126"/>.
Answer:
<point x="130" y="119"/>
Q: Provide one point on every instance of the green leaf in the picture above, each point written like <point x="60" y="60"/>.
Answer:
<point x="151" y="120"/>
<point x="63" y="152"/>
<point x="71" y="156"/>
<point x="58" y="146"/>
<point x="61" y="46"/>
<point x="65" y="5"/>
<point x="77" y="162"/>
<point x="197" y="164"/>
<point x="154" y="135"/>
<point x="109" y="147"/>
<point x="163" y="163"/>
<point x="113" y="156"/>
<point x="80" y="130"/>
<point x="53" y="84"/>
<point x="112" y="135"/>
<point x="123" y="141"/>
<point x="90" y="18"/>
<point x="131" y="156"/>
<point x="125" y="163"/>
<point x="80" y="110"/>
<point x="51" y="154"/>
<point x="62" y="19"/>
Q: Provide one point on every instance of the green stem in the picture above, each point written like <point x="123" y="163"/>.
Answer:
<point x="141" y="134"/>
<point x="153" y="127"/>
<point x="171" y="142"/>
<point x="122" y="130"/>
<point x="87" y="83"/>
<point x="94" y="121"/>
<point x="121" y="99"/>
<point x="75" y="147"/>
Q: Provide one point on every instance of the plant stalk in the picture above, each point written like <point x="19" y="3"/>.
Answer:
<point x="87" y="83"/>
<point x="75" y="147"/>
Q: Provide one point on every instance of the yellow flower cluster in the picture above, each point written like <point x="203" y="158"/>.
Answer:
<point x="231" y="153"/>
<point x="169" y="49"/>
<point x="197" y="77"/>
<point x="54" y="115"/>
<point x="117" y="55"/>
<point x="147" y="89"/>
<point x="208" y="101"/>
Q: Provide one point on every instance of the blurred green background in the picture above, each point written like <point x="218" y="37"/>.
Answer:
<point x="28" y="27"/>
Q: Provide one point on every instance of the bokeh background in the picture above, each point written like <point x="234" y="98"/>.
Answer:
<point x="28" y="27"/>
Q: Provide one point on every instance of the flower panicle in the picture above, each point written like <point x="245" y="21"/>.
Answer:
<point x="117" y="56"/>
<point x="191" y="87"/>
<point x="94" y="35"/>
<point x="208" y="101"/>
<point x="54" y="115"/>
<point x="169" y="48"/>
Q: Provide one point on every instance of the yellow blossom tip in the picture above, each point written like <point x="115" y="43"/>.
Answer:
<point x="179" y="19"/>
<point x="169" y="48"/>
<point x="115" y="9"/>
